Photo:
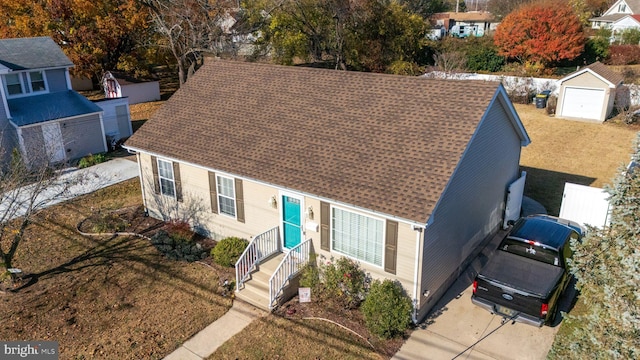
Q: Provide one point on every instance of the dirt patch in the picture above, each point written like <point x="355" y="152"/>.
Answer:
<point x="107" y="297"/>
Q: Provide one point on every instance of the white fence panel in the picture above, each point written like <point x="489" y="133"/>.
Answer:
<point x="585" y="205"/>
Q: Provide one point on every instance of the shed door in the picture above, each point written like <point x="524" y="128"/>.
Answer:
<point x="583" y="103"/>
<point x="54" y="145"/>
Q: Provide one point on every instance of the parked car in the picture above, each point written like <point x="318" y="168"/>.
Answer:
<point x="528" y="272"/>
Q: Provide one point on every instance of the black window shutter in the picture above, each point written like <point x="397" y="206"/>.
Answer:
<point x="391" y="247"/>
<point x="324" y="226"/>
<point x="156" y="179"/>
<point x="239" y="201"/>
<point x="213" y="192"/>
<point x="177" y="180"/>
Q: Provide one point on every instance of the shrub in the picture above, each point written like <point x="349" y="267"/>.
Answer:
<point x="552" y="104"/>
<point x="91" y="160"/>
<point x="228" y="250"/>
<point x="180" y="230"/>
<point x="624" y="55"/>
<point x="177" y="249"/>
<point x="108" y="223"/>
<point x="310" y="276"/>
<point x="387" y="309"/>
<point x="344" y="281"/>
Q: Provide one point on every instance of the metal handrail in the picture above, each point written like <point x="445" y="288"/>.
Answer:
<point x="261" y="247"/>
<point x="290" y="265"/>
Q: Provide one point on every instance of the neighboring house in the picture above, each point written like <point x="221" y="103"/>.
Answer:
<point x="39" y="113"/>
<point x="463" y="24"/>
<point x="408" y="176"/>
<point x="589" y="93"/>
<point x="118" y="85"/>
<point x="619" y="10"/>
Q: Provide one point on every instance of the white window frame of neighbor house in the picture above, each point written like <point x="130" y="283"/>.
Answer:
<point x="166" y="178"/>
<point x="26" y="88"/>
<point x="363" y="241"/>
<point x="226" y="192"/>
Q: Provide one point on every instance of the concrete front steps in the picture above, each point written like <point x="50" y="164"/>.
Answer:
<point x="256" y="288"/>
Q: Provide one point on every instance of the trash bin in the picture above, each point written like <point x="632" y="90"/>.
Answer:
<point x="541" y="99"/>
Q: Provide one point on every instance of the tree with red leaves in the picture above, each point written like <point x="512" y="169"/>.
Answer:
<point x="543" y="33"/>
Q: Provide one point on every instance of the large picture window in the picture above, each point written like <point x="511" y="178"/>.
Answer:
<point x="226" y="196"/>
<point x="166" y="178"/>
<point x="357" y="236"/>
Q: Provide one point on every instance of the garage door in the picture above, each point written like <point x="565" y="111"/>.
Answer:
<point x="583" y="103"/>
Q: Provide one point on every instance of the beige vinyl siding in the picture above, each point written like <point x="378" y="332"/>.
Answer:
<point x="260" y="217"/>
<point x="586" y="80"/>
<point x="472" y="206"/>
<point x="405" y="265"/>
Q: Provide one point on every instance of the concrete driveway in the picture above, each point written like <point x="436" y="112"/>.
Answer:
<point x="451" y="331"/>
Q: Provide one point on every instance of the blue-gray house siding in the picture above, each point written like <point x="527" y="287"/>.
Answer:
<point x="56" y="80"/>
<point x="472" y="206"/>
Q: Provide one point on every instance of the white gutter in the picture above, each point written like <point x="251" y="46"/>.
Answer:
<point x="144" y="197"/>
<point x="414" y="315"/>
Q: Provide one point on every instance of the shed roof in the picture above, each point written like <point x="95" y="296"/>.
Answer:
<point x="600" y="70"/>
<point x="32" y="53"/>
<point x="386" y="143"/>
<point x="29" y="110"/>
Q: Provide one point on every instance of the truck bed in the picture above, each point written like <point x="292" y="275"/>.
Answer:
<point x="524" y="274"/>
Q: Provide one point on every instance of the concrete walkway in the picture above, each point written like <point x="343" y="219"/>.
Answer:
<point x="84" y="181"/>
<point x="207" y="341"/>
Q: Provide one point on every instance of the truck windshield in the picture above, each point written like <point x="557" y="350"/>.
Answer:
<point x="531" y="251"/>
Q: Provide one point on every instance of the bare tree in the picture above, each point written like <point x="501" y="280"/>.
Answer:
<point x="189" y="29"/>
<point x="450" y="62"/>
<point x="28" y="183"/>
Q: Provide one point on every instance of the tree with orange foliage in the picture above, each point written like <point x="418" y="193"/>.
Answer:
<point x="542" y="33"/>
<point x="95" y="35"/>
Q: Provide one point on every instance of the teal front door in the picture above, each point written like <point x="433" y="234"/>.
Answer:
<point x="291" y="221"/>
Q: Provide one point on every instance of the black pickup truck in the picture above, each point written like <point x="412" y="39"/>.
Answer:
<point x="528" y="272"/>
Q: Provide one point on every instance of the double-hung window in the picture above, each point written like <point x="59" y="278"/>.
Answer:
<point x="37" y="81"/>
<point x="358" y="236"/>
<point x="166" y="178"/>
<point x="226" y="195"/>
<point x="14" y="84"/>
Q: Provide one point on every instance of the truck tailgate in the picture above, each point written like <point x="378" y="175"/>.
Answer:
<point x="526" y="275"/>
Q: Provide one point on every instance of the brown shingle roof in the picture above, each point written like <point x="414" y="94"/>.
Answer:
<point x="603" y="70"/>
<point x="382" y="142"/>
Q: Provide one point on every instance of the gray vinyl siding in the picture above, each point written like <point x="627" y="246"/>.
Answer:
<point x="472" y="206"/>
<point x="82" y="136"/>
<point x="7" y="141"/>
<point x="122" y="118"/>
<point x="56" y="80"/>
<point x="3" y="114"/>
<point x="33" y="142"/>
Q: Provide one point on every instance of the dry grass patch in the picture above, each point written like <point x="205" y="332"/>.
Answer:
<point x="274" y="337"/>
<point x="105" y="297"/>
<point x="570" y="151"/>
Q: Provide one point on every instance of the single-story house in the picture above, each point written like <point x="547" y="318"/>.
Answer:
<point x="405" y="175"/>
<point x="119" y="85"/>
<point x="588" y="93"/>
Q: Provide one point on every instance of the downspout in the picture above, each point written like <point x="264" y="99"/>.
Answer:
<point x="414" y="315"/>
<point x="144" y="197"/>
